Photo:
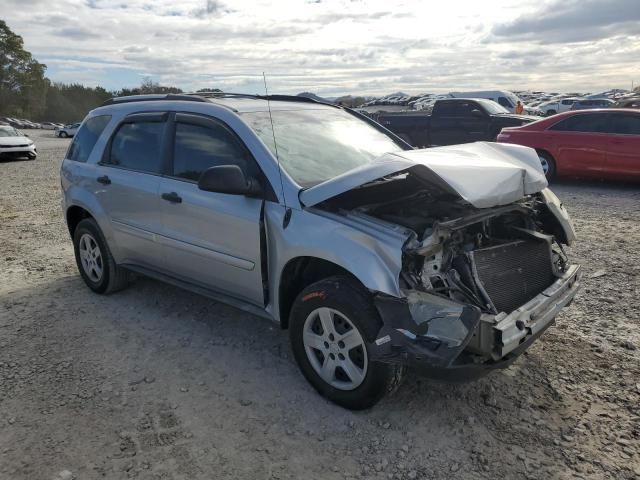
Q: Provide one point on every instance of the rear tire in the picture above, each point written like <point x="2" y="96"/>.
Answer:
<point x="346" y="308"/>
<point x="63" y="135"/>
<point x="548" y="165"/>
<point x="94" y="260"/>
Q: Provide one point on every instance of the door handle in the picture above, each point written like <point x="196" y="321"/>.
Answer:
<point x="172" y="197"/>
<point x="104" y="180"/>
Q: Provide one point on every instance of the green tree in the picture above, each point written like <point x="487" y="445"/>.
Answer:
<point x="71" y="102"/>
<point x="22" y="83"/>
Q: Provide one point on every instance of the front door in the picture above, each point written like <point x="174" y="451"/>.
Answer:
<point x="580" y="142"/>
<point x="210" y="239"/>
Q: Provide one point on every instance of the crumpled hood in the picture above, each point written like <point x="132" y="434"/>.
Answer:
<point x="12" y="141"/>
<point x="483" y="174"/>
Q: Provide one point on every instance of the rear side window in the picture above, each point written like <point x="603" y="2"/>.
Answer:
<point x="86" y="138"/>
<point x="591" y="123"/>
<point x="465" y="108"/>
<point x="446" y="108"/>
<point x="504" y="102"/>
<point x="198" y="147"/>
<point x="137" y="146"/>
<point x="625" y="124"/>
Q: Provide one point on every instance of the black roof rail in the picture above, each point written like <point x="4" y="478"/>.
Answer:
<point x="204" y="96"/>
<point x="151" y="97"/>
<point x="275" y="98"/>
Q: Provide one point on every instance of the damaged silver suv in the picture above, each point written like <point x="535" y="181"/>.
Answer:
<point x="375" y="256"/>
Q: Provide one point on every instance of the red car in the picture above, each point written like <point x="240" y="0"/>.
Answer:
<point x="603" y="143"/>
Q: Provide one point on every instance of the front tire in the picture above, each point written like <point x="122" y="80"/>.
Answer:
<point x="63" y="135"/>
<point x="331" y="324"/>
<point x="94" y="260"/>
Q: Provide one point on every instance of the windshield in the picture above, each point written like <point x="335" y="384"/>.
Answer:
<point x="492" y="107"/>
<point x="8" y="132"/>
<point x="317" y="145"/>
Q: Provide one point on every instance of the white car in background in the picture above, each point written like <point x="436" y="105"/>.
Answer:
<point x="13" y="144"/>
<point x="557" y="106"/>
<point x="50" y="126"/>
<point x="68" y="130"/>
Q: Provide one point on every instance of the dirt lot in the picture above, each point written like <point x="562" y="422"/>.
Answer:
<point x="157" y="383"/>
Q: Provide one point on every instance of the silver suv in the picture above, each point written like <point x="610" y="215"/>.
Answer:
<point x="375" y="256"/>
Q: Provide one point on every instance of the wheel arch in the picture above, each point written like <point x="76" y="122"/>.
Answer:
<point x="74" y="215"/>
<point x="299" y="273"/>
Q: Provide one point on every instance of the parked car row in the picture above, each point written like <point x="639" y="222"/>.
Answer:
<point x="61" y="130"/>
<point x="580" y="142"/>
<point x="553" y="107"/>
<point x="27" y="124"/>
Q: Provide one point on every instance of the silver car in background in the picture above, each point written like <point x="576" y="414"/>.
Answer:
<point x="375" y="256"/>
<point x="68" y="130"/>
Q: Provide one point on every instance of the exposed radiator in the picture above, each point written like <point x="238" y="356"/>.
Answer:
<point x="513" y="273"/>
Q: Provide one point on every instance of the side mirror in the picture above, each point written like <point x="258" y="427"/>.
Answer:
<point x="477" y="113"/>
<point x="228" y="179"/>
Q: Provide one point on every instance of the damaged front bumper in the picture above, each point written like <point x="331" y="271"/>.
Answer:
<point x="440" y="336"/>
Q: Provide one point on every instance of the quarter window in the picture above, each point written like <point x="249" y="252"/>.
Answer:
<point x="137" y="146"/>
<point x="199" y="147"/>
<point x="592" y="123"/>
<point x="86" y="138"/>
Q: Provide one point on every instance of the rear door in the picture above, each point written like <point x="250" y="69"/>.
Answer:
<point x="623" y="146"/>
<point x="444" y="125"/>
<point x="127" y="181"/>
<point x="211" y="239"/>
<point x="580" y="143"/>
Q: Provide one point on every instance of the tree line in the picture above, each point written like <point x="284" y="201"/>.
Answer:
<point x="26" y="93"/>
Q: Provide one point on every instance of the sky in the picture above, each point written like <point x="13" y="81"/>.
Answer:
<point x="335" y="47"/>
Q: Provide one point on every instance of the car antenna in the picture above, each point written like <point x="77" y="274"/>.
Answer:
<point x="275" y="145"/>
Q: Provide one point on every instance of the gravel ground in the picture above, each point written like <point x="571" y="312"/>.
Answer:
<point x="157" y="383"/>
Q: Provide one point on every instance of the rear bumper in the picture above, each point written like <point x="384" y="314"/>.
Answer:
<point x="464" y="344"/>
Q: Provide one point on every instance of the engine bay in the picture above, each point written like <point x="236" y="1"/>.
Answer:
<point x="495" y="258"/>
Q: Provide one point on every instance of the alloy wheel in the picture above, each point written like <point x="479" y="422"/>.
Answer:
<point x="545" y="164"/>
<point x="335" y="348"/>
<point x="91" y="257"/>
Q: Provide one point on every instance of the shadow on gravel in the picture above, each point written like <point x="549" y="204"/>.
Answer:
<point x="161" y="318"/>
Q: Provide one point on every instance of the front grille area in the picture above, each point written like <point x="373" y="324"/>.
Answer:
<point x="514" y="273"/>
<point x="13" y="146"/>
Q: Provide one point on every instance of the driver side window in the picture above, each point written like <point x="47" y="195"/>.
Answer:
<point x="198" y="147"/>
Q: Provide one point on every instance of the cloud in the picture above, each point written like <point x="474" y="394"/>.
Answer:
<point x="570" y="21"/>
<point x="334" y="46"/>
